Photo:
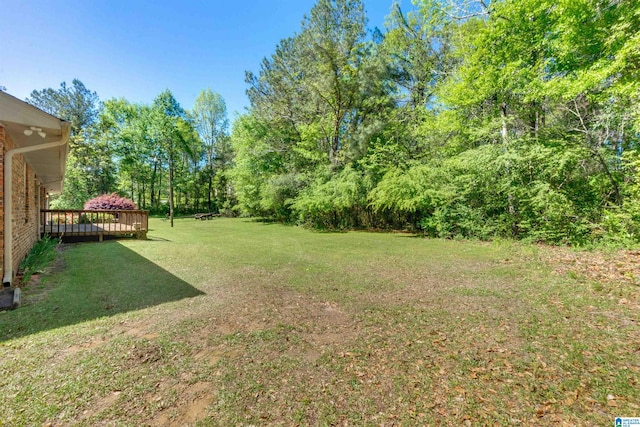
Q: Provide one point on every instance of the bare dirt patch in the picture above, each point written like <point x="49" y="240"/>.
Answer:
<point x="248" y="327"/>
<point x="191" y="407"/>
<point x="321" y="322"/>
<point x="101" y="405"/>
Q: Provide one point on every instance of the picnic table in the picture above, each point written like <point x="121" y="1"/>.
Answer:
<point x="203" y="216"/>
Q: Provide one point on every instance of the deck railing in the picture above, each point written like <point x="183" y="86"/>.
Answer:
<point x="56" y="222"/>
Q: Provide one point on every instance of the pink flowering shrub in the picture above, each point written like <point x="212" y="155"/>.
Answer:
<point x="111" y="201"/>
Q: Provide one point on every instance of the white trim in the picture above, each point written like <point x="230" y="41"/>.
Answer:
<point x="18" y="115"/>
<point x="8" y="203"/>
<point x="15" y="110"/>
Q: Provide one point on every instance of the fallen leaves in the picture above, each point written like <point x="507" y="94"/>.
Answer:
<point x="620" y="267"/>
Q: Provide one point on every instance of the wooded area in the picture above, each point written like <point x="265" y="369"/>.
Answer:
<point x="463" y="119"/>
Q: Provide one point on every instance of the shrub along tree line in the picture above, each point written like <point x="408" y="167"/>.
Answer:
<point x="462" y="118"/>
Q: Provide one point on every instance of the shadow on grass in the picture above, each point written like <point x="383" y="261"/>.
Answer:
<point x="337" y="230"/>
<point x="97" y="280"/>
<point x="266" y="221"/>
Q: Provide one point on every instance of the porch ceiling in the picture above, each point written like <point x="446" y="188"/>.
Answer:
<point x="49" y="164"/>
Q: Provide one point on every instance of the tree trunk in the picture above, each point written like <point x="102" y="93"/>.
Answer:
<point x="210" y="189"/>
<point x="159" y="190"/>
<point x="505" y="140"/>
<point x="171" y="188"/>
<point x="617" y="198"/>
<point x="143" y="196"/>
<point x="153" y="183"/>
<point x="335" y="143"/>
<point x="505" y="130"/>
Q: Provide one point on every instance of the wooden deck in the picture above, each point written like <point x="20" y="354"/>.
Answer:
<point x="59" y="223"/>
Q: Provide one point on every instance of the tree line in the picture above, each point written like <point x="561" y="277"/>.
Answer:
<point x="161" y="156"/>
<point x="461" y="119"/>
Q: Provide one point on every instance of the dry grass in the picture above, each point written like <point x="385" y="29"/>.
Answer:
<point x="275" y="325"/>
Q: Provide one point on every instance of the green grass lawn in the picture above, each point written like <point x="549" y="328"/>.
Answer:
<point x="235" y="322"/>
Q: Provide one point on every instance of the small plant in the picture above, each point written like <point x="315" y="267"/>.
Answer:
<point x="111" y="201"/>
<point x="39" y="257"/>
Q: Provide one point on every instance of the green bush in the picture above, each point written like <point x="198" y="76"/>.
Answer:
<point x="333" y="201"/>
<point x="98" y="217"/>
<point x="278" y="195"/>
<point x="42" y="253"/>
<point x="530" y="191"/>
<point x="458" y="221"/>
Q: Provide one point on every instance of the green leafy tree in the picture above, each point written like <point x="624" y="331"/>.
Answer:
<point x="321" y="86"/>
<point x="172" y="135"/>
<point x="332" y="38"/>
<point x="256" y="162"/>
<point x="90" y="169"/>
<point x="417" y="45"/>
<point x="210" y="120"/>
<point x="76" y="104"/>
<point x="466" y="118"/>
<point x="128" y="128"/>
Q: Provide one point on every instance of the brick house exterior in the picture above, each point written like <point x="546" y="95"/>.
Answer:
<point x="33" y="147"/>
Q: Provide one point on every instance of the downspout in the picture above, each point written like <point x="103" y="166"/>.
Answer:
<point x="8" y="202"/>
<point x="38" y="209"/>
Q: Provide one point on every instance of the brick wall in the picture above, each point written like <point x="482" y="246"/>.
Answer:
<point x="2" y="150"/>
<point x="25" y="208"/>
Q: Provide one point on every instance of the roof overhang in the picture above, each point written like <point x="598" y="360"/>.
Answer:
<point x="16" y="117"/>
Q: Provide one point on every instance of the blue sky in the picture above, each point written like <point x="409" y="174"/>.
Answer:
<point x="135" y="49"/>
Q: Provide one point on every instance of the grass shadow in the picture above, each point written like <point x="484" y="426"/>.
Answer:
<point x="266" y="221"/>
<point x="270" y="221"/>
<point x="157" y="239"/>
<point x="332" y="230"/>
<point x="96" y="280"/>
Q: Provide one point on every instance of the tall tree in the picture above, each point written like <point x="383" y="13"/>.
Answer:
<point x="172" y="134"/>
<point x="127" y="127"/>
<point x="90" y="169"/>
<point x="318" y="85"/>
<point x="210" y="119"/>
<point x="417" y="45"/>
<point x="333" y="48"/>
<point x="76" y="104"/>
